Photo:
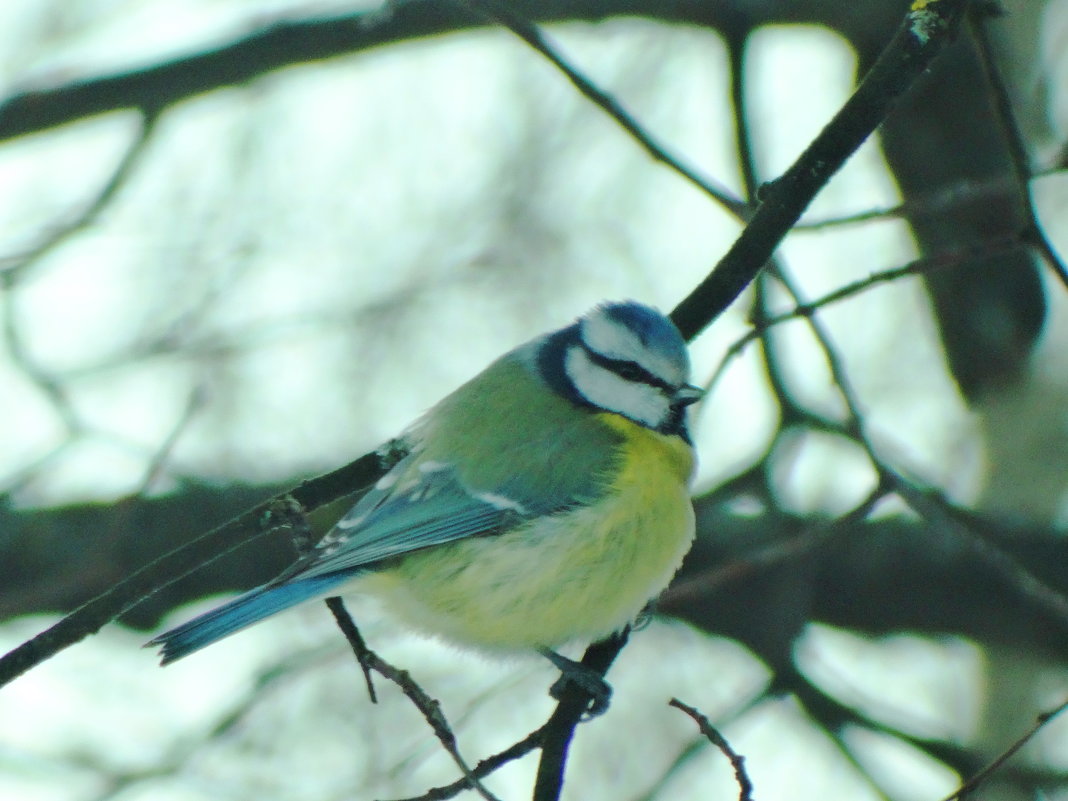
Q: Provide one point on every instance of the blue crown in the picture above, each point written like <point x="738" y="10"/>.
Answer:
<point x="654" y="330"/>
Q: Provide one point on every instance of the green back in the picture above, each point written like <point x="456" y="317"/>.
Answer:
<point x="508" y="417"/>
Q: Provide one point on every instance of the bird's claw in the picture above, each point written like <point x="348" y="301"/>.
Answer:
<point x="587" y="680"/>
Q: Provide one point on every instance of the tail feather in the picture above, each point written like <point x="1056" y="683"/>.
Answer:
<point x="252" y="607"/>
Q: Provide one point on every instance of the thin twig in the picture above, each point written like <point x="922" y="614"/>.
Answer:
<point x="11" y="267"/>
<point x="486" y="766"/>
<point x="533" y="36"/>
<point x="356" y="642"/>
<point x="1021" y="163"/>
<point x="692" y="589"/>
<point x="22" y="358"/>
<point x="193" y="404"/>
<point x="976" y="780"/>
<point x="745" y="785"/>
<point x="924" y="204"/>
<point x="429" y="707"/>
<point x="926" y="264"/>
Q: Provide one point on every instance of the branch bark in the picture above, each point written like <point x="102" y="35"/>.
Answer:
<point x="268" y="517"/>
<point x="288" y="42"/>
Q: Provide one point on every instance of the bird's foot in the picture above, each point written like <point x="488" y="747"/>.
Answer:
<point x="589" y="681"/>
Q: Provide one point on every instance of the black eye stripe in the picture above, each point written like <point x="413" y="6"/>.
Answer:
<point x="627" y="370"/>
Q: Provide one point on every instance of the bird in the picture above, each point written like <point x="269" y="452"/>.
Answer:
<point x="543" y="503"/>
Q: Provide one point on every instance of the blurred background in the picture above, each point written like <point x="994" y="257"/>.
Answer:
<point x="280" y="231"/>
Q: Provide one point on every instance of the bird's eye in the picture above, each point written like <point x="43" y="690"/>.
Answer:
<point x="630" y="371"/>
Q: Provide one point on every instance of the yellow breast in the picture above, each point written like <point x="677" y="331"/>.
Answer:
<point x="578" y="575"/>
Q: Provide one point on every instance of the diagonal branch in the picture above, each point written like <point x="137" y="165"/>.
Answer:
<point x="926" y="28"/>
<point x="533" y="36"/>
<point x="429" y="707"/>
<point x="920" y="266"/>
<point x="267" y="518"/>
<point x="13" y="266"/>
<point x="973" y="783"/>
<point x="1014" y="137"/>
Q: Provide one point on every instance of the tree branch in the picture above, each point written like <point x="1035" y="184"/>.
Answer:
<point x="712" y="734"/>
<point x="537" y="40"/>
<point x="975" y="781"/>
<point x="284" y="43"/>
<point x="430" y="708"/>
<point x="919" y="38"/>
<point x="1014" y="139"/>
<point x="266" y="518"/>
<point x="560" y="728"/>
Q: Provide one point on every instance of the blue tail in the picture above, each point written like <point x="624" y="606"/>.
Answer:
<point x="242" y="611"/>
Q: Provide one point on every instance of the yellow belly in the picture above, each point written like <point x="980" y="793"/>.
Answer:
<point x="580" y="575"/>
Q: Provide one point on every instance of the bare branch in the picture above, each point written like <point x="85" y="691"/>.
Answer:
<point x="560" y="727"/>
<point x="285" y="42"/>
<point x="266" y="518"/>
<point x="973" y="783"/>
<point x="917" y="42"/>
<point x="11" y="267"/>
<point x="927" y="502"/>
<point x="1021" y="163"/>
<point x="486" y="767"/>
<point x="429" y="707"/>
<point x="745" y="785"/>
<point x="919" y="266"/>
<point x="533" y="36"/>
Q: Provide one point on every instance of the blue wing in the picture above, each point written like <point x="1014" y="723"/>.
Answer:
<point x="416" y="505"/>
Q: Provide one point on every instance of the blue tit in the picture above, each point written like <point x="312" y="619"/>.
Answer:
<point x="542" y="503"/>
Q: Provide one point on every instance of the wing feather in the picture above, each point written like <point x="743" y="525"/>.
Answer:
<point x="503" y="419"/>
<point x="414" y="509"/>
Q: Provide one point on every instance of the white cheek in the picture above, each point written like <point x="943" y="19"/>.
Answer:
<point x="603" y="388"/>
